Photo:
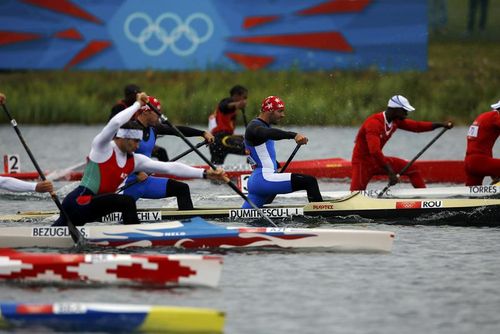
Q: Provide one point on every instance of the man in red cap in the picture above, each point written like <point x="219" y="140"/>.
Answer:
<point x="222" y="122"/>
<point x="265" y="181"/>
<point x="367" y="157"/>
<point x="160" y="187"/>
<point x="130" y="91"/>
<point x="481" y="138"/>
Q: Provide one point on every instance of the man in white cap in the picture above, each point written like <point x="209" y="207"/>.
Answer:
<point x="367" y="157"/>
<point x="481" y="138"/>
<point x="110" y="161"/>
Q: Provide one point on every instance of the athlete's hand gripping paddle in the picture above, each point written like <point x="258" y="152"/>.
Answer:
<point x="409" y="164"/>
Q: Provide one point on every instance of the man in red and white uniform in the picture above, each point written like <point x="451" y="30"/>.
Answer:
<point x="222" y="123"/>
<point x="367" y="157"/>
<point x="481" y="138"/>
<point x="110" y="161"/>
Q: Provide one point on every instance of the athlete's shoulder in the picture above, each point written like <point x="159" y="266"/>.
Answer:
<point x="374" y="119"/>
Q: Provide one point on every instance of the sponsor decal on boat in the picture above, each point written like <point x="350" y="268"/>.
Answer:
<point x="263" y="229"/>
<point x="419" y="204"/>
<point x="69" y="308"/>
<point x="408" y="205"/>
<point x="54" y="231"/>
<point x="142" y="215"/>
<point x="269" y="212"/>
<point x="322" y="206"/>
<point x="483" y="189"/>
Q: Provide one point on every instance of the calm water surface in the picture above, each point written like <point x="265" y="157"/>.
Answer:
<point x="436" y="280"/>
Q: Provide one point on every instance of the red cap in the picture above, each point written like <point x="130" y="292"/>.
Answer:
<point x="154" y="101"/>
<point x="272" y="103"/>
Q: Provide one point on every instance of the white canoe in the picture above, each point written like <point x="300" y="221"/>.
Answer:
<point x="196" y="233"/>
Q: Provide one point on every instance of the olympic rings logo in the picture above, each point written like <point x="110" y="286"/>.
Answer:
<point x="164" y="36"/>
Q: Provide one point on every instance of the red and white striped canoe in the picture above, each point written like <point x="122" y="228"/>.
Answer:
<point x="139" y="269"/>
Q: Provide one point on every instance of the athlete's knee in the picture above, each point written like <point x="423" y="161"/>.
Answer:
<point x="183" y="189"/>
<point x="303" y="181"/>
<point x="177" y="188"/>
<point x="127" y="202"/>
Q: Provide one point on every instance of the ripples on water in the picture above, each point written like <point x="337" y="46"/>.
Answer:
<point x="438" y="279"/>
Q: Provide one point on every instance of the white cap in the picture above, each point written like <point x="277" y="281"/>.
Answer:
<point x="496" y="105"/>
<point x="399" y="101"/>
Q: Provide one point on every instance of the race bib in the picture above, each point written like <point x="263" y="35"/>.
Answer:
<point x="473" y="131"/>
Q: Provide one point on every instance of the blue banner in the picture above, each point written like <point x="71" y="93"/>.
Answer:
<point x="390" y="35"/>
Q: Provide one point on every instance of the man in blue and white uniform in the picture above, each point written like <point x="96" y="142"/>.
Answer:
<point x="159" y="187"/>
<point x="266" y="181"/>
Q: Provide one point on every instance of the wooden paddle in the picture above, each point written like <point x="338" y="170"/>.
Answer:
<point x="128" y="185"/>
<point x="208" y="162"/>
<point x="408" y="165"/>
<point x="76" y="235"/>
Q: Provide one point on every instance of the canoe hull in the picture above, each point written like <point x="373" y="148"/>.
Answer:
<point x="196" y="233"/>
<point x="350" y="209"/>
<point x="97" y="317"/>
<point x="137" y="269"/>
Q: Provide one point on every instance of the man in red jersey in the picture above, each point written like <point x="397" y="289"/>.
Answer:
<point x="222" y="123"/>
<point x="481" y="138"/>
<point x="367" y="157"/>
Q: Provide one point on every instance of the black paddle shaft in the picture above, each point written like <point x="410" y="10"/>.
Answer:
<point x="290" y="158"/>
<point x="177" y="157"/>
<point x="76" y="235"/>
<point x="208" y="162"/>
<point x="271" y="198"/>
<point x="409" y="164"/>
<point x="244" y="117"/>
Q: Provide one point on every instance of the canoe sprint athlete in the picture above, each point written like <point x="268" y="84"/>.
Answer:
<point x="367" y="157"/>
<point x="130" y="92"/>
<point x="265" y="181"/>
<point x="110" y="161"/>
<point x="160" y="187"/>
<point x="221" y="124"/>
<point x="15" y="185"/>
<point x="481" y="138"/>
